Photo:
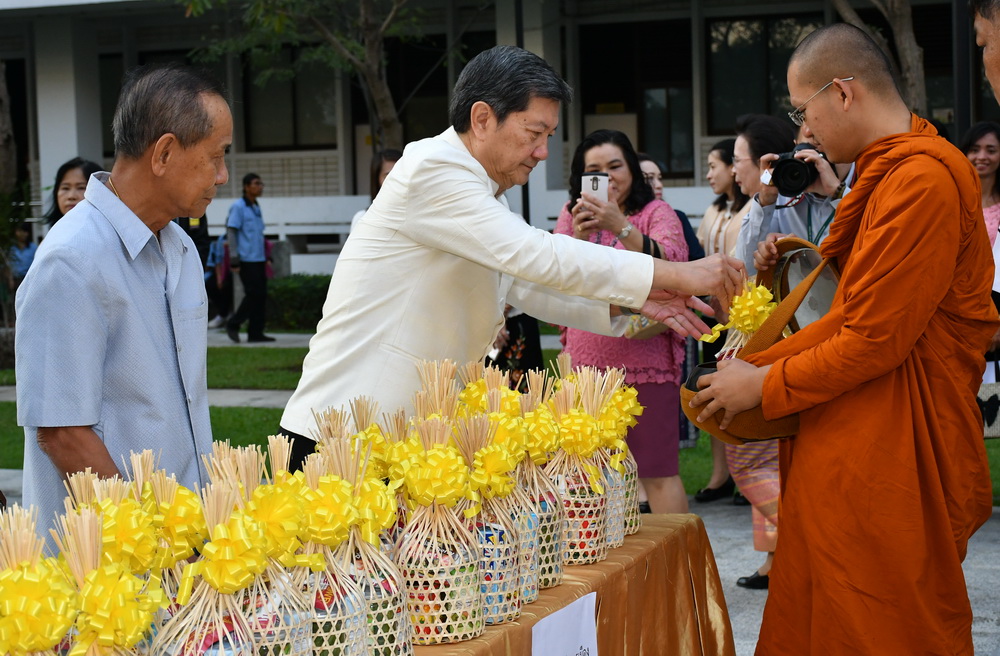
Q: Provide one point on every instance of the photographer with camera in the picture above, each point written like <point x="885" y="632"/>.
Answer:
<point x="799" y="192"/>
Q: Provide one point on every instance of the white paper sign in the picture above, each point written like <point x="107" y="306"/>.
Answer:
<point x="570" y="631"/>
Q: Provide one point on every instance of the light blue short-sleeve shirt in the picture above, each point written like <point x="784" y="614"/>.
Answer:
<point x="249" y="222"/>
<point x="111" y="333"/>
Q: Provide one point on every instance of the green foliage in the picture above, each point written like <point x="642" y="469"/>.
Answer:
<point x="296" y="302"/>
<point x="243" y="426"/>
<point x="237" y="367"/>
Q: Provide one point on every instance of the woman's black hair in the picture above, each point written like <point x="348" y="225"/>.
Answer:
<point x="724" y="149"/>
<point x="640" y="195"/>
<point x="974" y="134"/>
<point x="87" y="167"/>
<point x="387" y="155"/>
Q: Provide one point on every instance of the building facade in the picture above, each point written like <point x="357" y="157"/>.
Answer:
<point x="673" y="75"/>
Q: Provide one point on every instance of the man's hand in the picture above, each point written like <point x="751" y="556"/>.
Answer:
<point x="768" y="194"/>
<point x="716" y="275"/>
<point x="828" y="181"/>
<point x="74" y="448"/>
<point x="677" y="312"/>
<point x="736" y="387"/>
<point x="766" y="255"/>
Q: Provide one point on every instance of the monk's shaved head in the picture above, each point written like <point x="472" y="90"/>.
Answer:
<point x="842" y="50"/>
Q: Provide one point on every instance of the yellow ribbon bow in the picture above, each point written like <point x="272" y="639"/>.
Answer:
<point x="439" y="475"/>
<point x="330" y="511"/>
<point x="377" y="509"/>
<point x="128" y="535"/>
<point x="747" y="313"/>
<point x="543" y="434"/>
<point x="115" y="610"/>
<point x="38" y="605"/>
<point x="511" y="433"/>
<point x="280" y="514"/>
<point x="230" y="560"/>
<point x="181" y="527"/>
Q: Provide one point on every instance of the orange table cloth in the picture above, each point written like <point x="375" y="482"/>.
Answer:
<point x="659" y="593"/>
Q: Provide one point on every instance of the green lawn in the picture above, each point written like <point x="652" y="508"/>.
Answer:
<point x="254" y="368"/>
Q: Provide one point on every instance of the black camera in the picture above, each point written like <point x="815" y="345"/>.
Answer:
<point x="793" y="176"/>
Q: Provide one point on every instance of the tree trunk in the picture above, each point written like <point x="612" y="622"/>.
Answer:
<point x="8" y="149"/>
<point x="911" y="56"/>
<point x="909" y="68"/>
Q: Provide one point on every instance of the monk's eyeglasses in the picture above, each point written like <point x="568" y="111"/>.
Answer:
<point x="798" y="115"/>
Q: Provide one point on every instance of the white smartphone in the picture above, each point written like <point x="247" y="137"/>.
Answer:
<point x="595" y="184"/>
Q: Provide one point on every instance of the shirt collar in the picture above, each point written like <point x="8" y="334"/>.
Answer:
<point x="452" y="137"/>
<point x="131" y="230"/>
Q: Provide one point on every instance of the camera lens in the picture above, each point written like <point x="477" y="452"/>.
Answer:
<point x="792" y="176"/>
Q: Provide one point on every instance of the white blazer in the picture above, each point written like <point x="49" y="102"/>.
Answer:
<point x="425" y="276"/>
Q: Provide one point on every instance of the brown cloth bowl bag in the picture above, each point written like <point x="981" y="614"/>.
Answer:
<point x="750" y="426"/>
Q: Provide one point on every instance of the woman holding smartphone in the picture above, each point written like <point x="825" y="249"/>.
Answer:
<point x="629" y="217"/>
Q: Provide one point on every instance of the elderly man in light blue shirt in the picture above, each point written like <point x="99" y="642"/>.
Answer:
<point x="111" y="330"/>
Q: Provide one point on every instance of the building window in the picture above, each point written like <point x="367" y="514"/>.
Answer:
<point x="285" y="113"/>
<point x="747" y="60"/>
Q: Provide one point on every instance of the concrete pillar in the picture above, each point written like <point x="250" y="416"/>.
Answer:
<point x="68" y="93"/>
<point x="540" y="22"/>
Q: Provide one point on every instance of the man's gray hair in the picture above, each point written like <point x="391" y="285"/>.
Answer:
<point x="985" y="8"/>
<point x="159" y="100"/>
<point x="506" y="78"/>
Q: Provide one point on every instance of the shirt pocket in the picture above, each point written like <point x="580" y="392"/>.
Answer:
<point x="192" y="313"/>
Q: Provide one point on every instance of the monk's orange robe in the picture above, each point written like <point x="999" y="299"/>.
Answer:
<point x="887" y="478"/>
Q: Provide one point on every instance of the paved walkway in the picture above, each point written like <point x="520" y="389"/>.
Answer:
<point x="728" y="528"/>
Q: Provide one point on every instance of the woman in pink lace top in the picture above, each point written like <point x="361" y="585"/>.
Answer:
<point x="633" y="219"/>
<point x="981" y="144"/>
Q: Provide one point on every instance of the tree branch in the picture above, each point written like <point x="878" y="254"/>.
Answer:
<point x="396" y="6"/>
<point x="335" y="42"/>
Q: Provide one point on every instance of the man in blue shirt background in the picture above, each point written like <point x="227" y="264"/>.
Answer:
<point x="248" y="257"/>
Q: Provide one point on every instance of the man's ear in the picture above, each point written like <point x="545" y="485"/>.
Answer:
<point x="482" y="119"/>
<point x="846" y="93"/>
<point x="162" y="151"/>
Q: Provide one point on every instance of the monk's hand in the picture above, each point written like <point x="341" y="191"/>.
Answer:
<point x="677" y="312"/>
<point x="736" y="387"/>
<point x="766" y="255"/>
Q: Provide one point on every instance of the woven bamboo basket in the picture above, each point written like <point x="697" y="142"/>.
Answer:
<point x="278" y="614"/>
<point x="439" y="560"/>
<point x="525" y="517"/>
<point x="500" y="562"/>
<point x="614" y="488"/>
<point x="584" y="540"/>
<point x="388" y="624"/>
<point x="552" y="529"/>
<point x="633" y="518"/>
<point x="338" y="611"/>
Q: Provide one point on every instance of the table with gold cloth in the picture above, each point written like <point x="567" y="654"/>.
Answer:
<point x="659" y="593"/>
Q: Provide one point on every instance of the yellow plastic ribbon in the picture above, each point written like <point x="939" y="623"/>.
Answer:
<point x="127" y="535"/>
<point x="115" y="610"/>
<point x="542" y="433"/>
<point x="38" y="605"/>
<point x="491" y="475"/>
<point x="230" y="560"/>
<point x="280" y="513"/>
<point x="579" y="434"/>
<point x="439" y="475"/>
<point x="377" y="509"/>
<point x="180" y="526"/>
<point x="511" y="433"/>
<point x="473" y="397"/>
<point x="401" y="457"/>
<point x="747" y="313"/>
<point x="594" y="477"/>
<point x="378" y="466"/>
<point x="330" y="511"/>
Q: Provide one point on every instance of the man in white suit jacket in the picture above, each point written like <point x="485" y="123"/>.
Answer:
<point x="427" y="271"/>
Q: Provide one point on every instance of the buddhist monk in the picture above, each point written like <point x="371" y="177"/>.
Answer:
<point x="887" y="478"/>
<point x="986" y="19"/>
